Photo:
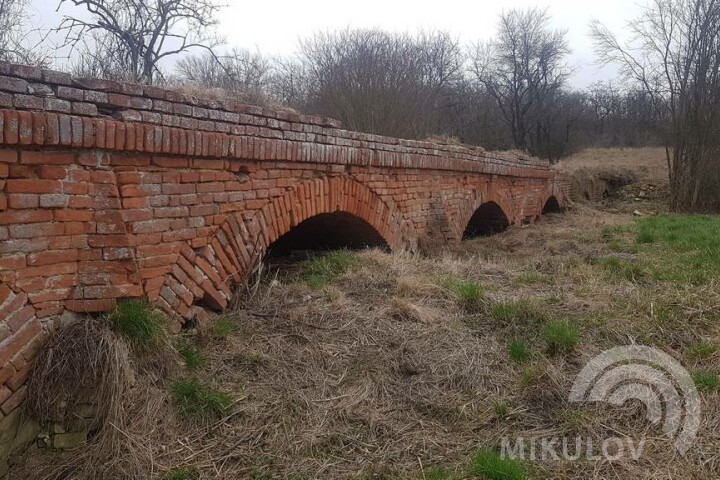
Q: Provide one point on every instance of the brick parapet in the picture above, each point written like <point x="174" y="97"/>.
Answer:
<point x="43" y="107"/>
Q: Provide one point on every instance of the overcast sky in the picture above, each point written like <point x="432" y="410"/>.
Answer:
<point x="274" y="26"/>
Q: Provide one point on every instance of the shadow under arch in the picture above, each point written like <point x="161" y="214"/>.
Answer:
<point x="328" y="231"/>
<point x="488" y="219"/>
<point x="552" y="205"/>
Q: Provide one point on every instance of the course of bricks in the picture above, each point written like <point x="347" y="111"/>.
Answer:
<point x="111" y="190"/>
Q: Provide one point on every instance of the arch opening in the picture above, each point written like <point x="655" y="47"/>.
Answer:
<point x="487" y="220"/>
<point x="325" y="232"/>
<point x="552" y="206"/>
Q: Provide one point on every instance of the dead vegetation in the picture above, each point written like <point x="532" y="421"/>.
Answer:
<point x="394" y="366"/>
<point x="611" y="174"/>
<point x="87" y="380"/>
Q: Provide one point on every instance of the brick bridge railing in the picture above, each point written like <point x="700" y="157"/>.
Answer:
<point x="111" y="190"/>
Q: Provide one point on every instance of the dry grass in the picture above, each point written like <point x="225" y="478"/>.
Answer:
<point x="379" y="371"/>
<point x="649" y="163"/>
<point x="86" y="366"/>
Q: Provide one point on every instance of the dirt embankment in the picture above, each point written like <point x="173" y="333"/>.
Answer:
<point x="602" y="174"/>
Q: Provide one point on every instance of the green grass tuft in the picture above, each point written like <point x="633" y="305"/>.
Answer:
<point x="437" y="473"/>
<point x="470" y="295"/>
<point x="490" y="465"/>
<point x="515" y="312"/>
<point x="646" y="236"/>
<point x="686" y="247"/>
<point x="322" y="270"/>
<point x="139" y="322"/>
<point x="191" y="354"/>
<point x="702" y="350"/>
<point x="501" y="409"/>
<point x="707" y="381"/>
<point x="532" y="277"/>
<point x="560" y="338"/>
<point x="182" y="473"/>
<point x="197" y="400"/>
<point x="223" y="327"/>
<point x="518" y="351"/>
<point x="631" y="271"/>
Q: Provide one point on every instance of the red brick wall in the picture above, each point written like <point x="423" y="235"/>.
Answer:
<point x="111" y="190"/>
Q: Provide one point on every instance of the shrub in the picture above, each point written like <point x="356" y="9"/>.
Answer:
<point x="139" y="322"/>
<point x="490" y="465"/>
<point x="199" y="401"/>
<point x="560" y="338"/>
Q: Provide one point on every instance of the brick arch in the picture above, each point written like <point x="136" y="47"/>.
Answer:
<point x="22" y="332"/>
<point x="480" y="199"/>
<point x="208" y="274"/>
<point x="550" y="205"/>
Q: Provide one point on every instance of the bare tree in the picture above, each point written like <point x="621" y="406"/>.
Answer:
<point x="100" y="56"/>
<point x="605" y="101"/>
<point x="674" y="56"/>
<point x="16" y="44"/>
<point x="11" y="17"/>
<point x="242" y="74"/>
<point x="523" y="69"/>
<point x="135" y="36"/>
<point x="289" y="82"/>
<point x="377" y="82"/>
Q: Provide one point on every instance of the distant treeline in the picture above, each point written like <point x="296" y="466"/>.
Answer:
<point x="511" y="92"/>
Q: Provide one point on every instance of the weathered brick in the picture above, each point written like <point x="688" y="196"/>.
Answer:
<point x="28" y="102"/>
<point x="25" y="128"/>
<point x="54" y="200"/>
<point x="6" y="100"/>
<point x="12" y="345"/>
<point x="93" y="96"/>
<point x="23" y="200"/>
<point x="12" y="84"/>
<point x="14" y="401"/>
<point x="128" y="115"/>
<point x="56" y="78"/>
<point x="33" y="186"/>
<point x="23" y="246"/>
<point x="17" y="319"/>
<point x="91" y="306"/>
<point x="84" y="109"/>
<point x="35" y="230"/>
<point x="57" y="105"/>
<point x="70" y="93"/>
<point x="46" y="157"/>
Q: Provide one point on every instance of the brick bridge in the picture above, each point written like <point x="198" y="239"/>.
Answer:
<point x="111" y="190"/>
